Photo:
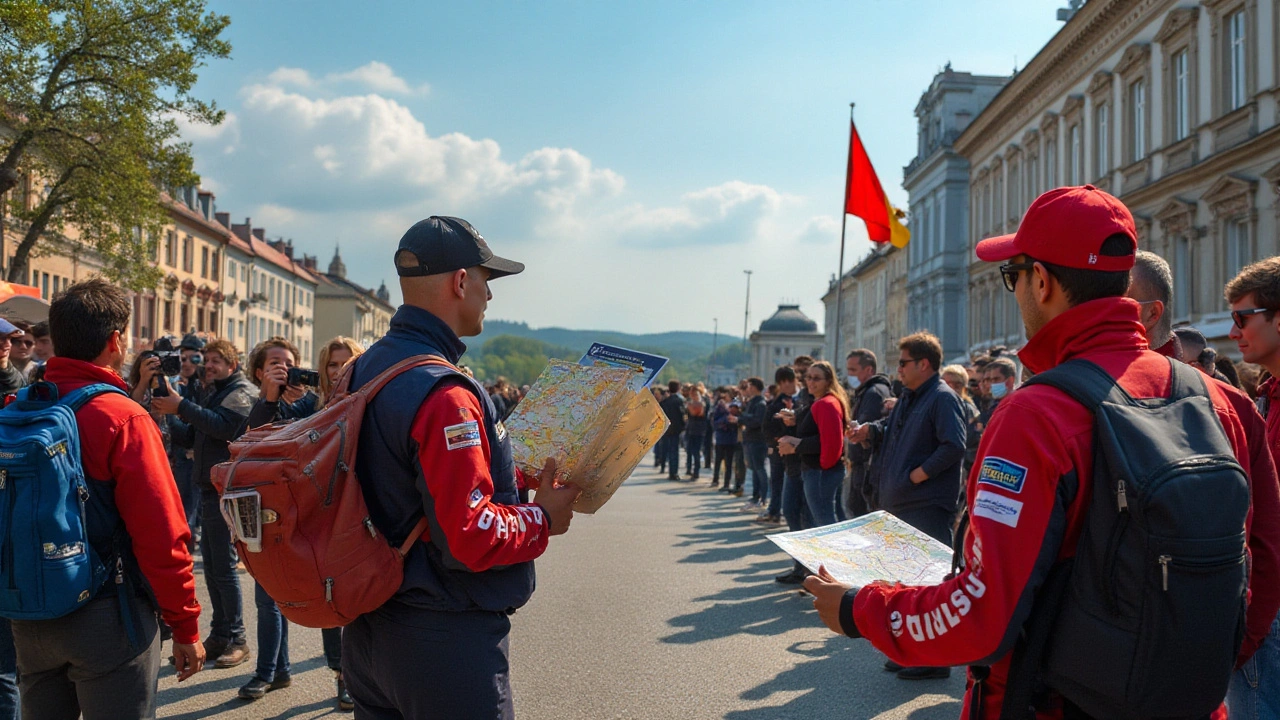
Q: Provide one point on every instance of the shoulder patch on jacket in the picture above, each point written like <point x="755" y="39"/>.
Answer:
<point x="994" y="506"/>
<point x="1003" y="474"/>
<point x="240" y="400"/>
<point x="462" y="435"/>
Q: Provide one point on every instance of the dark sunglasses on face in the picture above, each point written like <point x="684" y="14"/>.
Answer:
<point x="1239" y="316"/>
<point x="1009" y="273"/>
<point x="903" y="363"/>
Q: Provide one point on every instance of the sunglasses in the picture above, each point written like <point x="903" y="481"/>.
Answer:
<point x="1239" y="316"/>
<point x="1009" y="273"/>
<point x="903" y="363"/>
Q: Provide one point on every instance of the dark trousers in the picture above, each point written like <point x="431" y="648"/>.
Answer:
<point x="724" y="456"/>
<point x="660" y="451"/>
<point x="8" y="674"/>
<point x="707" y="449"/>
<point x="693" y="451"/>
<point x="795" y="510"/>
<point x="740" y="467"/>
<point x="219" y="558"/>
<point x="188" y="490"/>
<point x="82" y="663"/>
<point x="935" y="522"/>
<point x="755" y="460"/>
<point x="273" y="637"/>
<point x="855" y="503"/>
<point x="407" y="663"/>
<point x="777" y="476"/>
<point x="673" y="454"/>
<point x="331" y="639"/>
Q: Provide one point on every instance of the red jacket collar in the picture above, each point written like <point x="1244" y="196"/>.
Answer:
<point x="1270" y="389"/>
<point x="1107" y="325"/>
<point x="70" y="375"/>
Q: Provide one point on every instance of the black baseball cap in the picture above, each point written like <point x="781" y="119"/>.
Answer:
<point x="443" y="244"/>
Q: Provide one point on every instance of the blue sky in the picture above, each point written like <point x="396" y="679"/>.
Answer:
<point x="636" y="156"/>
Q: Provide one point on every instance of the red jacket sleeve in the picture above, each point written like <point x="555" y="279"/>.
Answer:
<point x="826" y="413"/>
<point x="454" y="453"/>
<point x="149" y="504"/>
<point x="1015" y="532"/>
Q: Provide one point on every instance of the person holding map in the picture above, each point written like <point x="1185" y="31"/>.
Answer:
<point x="1031" y="491"/>
<point x="432" y="444"/>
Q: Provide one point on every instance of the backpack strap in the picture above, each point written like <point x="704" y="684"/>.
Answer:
<point x="77" y="399"/>
<point x="343" y="386"/>
<point x="1086" y="383"/>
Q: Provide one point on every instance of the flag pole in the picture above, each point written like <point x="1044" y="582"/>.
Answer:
<point x="844" y="218"/>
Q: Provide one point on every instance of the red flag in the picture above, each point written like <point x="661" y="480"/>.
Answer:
<point x="866" y="198"/>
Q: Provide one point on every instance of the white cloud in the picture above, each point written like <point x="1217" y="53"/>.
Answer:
<point x="319" y="166"/>
<point x="374" y="76"/>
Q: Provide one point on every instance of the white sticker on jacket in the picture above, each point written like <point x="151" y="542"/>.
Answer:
<point x="502" y="431"/>
<point x="476" y="497"/>
<point x="992" y="506"/>
<point x="462" y="435"/>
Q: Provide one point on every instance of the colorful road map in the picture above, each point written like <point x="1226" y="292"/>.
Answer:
<point x="591" y="421"/>
<point x="877" y="546"/>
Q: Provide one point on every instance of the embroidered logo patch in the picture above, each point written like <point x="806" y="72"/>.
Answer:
<point x="1002" y="474"/>
<point x="476" y="497"/>
<point x="992" y="506"/>
<point x="462" y="435"/>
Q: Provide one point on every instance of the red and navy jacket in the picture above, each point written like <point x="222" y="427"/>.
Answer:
<point x="120" y="448"/>
<point x="976" y="617"/>
<point x="432" y="443"/>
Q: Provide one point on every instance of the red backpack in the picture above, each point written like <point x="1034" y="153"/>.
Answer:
<point x="298" y="517"/>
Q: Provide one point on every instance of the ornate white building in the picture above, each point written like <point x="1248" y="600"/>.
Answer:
<point x="785" y="335"/>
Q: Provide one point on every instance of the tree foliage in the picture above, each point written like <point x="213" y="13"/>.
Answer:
<point x="91" y="94"/>
<point x="520" y="360"/>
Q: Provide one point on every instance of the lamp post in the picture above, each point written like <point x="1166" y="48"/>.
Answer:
<point x="715" y="334"/>
<point x="746" y="318"/>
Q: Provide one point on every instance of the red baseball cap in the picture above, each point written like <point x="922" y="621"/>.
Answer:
<point x="1067" y="226"/>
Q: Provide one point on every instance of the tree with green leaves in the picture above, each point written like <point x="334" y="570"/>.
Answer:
<point x="91" y="96"/>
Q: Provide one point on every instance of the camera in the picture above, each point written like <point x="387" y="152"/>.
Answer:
<point x="300" y="377"/>
<point x="170" y="357"/>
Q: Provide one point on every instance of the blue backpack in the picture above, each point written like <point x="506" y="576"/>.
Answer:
<point x="48" y="566"/>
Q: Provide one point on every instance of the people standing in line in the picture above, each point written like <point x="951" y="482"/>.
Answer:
<point x="957" y="378"/>
<point x="740" y="459"/>
<point x="1254" y="298"/>
<point x="438" y="650"/>
<point x="1000" y="377"/>
<point x="819" y="441"/>
<point x="724" y="424"/>
<point x="1028" y="501"/>
<point x="660" y="447"/>
<point x="775" y="427"/>
<point x="708" y="443"/>
<point x="103" y="659"/>
<point x="695" y="433"/>
<point x="870" y="389"/>
<point x="208" y="424"/>
<point x="921" y="447"/>
<point x="11" y="378"/>
<point x="269" y="365"/>
<point x="673" y="407"/>
<point x="754" y="447"/>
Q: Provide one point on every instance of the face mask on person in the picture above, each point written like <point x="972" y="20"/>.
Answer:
<point x="853" y="380"/>
<point x="999" y="391"/>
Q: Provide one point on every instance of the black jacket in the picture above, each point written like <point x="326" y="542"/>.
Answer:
<point x="925" y="430"/>
<point x="673" y="406"/>
<point x="752" y="420"/>
<point x="208" y="425"/>
<point x="264" y="411"/>
<point x="868" y="406"/>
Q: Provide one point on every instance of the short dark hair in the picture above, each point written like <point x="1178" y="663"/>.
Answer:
<point x="865" y="358"/>
<point x="756" y="383"/>
<point x="83" y="316"/>
<point x="40" y="329"/>
<point x="923" y="346"/>
<point x="673" y="386"/>
<point x="1004" y="366"/>
<point x="1082" y="286"/>
<point x="784" y="373"/>
<point x="1260" y="279"/>
<point x="802" y="359"/>
<point x="981" y="361"/>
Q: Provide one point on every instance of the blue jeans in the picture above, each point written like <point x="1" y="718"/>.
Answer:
<point x="8" y="674"/>
<point x="188" y="490"/>
<point x="777" y="477"/>
<point x="822" y="493"/>
<point x="220" y="578"/>
<point x="755" y="455"/>
<point x="693" y="451"/>
<point x="1254" y="693"/>
<point x="794" y="508"/>
<point x="673" y="454"/>
<point x="273" y="637"/>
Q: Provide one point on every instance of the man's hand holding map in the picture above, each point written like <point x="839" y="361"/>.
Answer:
<point x="877" y="546"/>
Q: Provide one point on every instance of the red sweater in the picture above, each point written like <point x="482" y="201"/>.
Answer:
<point x="120" y="443"/>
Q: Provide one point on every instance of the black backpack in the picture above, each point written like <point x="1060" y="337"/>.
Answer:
<point x="1148" y="617"/>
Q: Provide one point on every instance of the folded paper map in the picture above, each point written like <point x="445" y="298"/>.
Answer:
<point x="591" y="420"/>
<point x="877" y="546"/>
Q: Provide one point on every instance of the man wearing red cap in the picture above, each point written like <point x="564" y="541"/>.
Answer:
<point x="1068" y="266"/>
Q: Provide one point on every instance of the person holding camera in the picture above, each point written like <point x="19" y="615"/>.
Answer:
<point x="182" y="369"/>
<point x="207" y="423"/>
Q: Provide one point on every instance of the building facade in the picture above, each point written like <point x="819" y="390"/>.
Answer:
<point x="280" y="292"/>
<point x="1172" y="106"/>
<point x="866" y="315"/>
<point x="785" y="335"/>
<point x="344" y="308"/>
<point x="937" y="183"/>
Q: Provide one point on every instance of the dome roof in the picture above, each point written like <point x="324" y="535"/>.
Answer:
<point x="789" y="319"/>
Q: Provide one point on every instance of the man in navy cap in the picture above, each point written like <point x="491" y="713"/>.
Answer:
<point x="11" y="378"/>
<point x="433" y="444"/>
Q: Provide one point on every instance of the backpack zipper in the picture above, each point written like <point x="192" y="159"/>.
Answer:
<point x="1164" y="570"/>
<point x="368" y="525"/>
<point x="1213" y="563"/>
<point x="1122" y="497"/>
<point x="340" y="466"/>
<point x="328" y="589"/>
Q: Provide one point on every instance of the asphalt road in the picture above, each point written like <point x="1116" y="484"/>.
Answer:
<point x="661" y="606"/>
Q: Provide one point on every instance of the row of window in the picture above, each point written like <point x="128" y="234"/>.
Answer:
<point x="281" y="295"/>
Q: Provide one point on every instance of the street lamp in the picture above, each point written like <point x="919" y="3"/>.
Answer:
<point x="715" y="334"/>
<point x="746" y="309"/>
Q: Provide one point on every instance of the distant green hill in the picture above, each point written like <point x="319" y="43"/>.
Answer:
<point x="675" y="345"/>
